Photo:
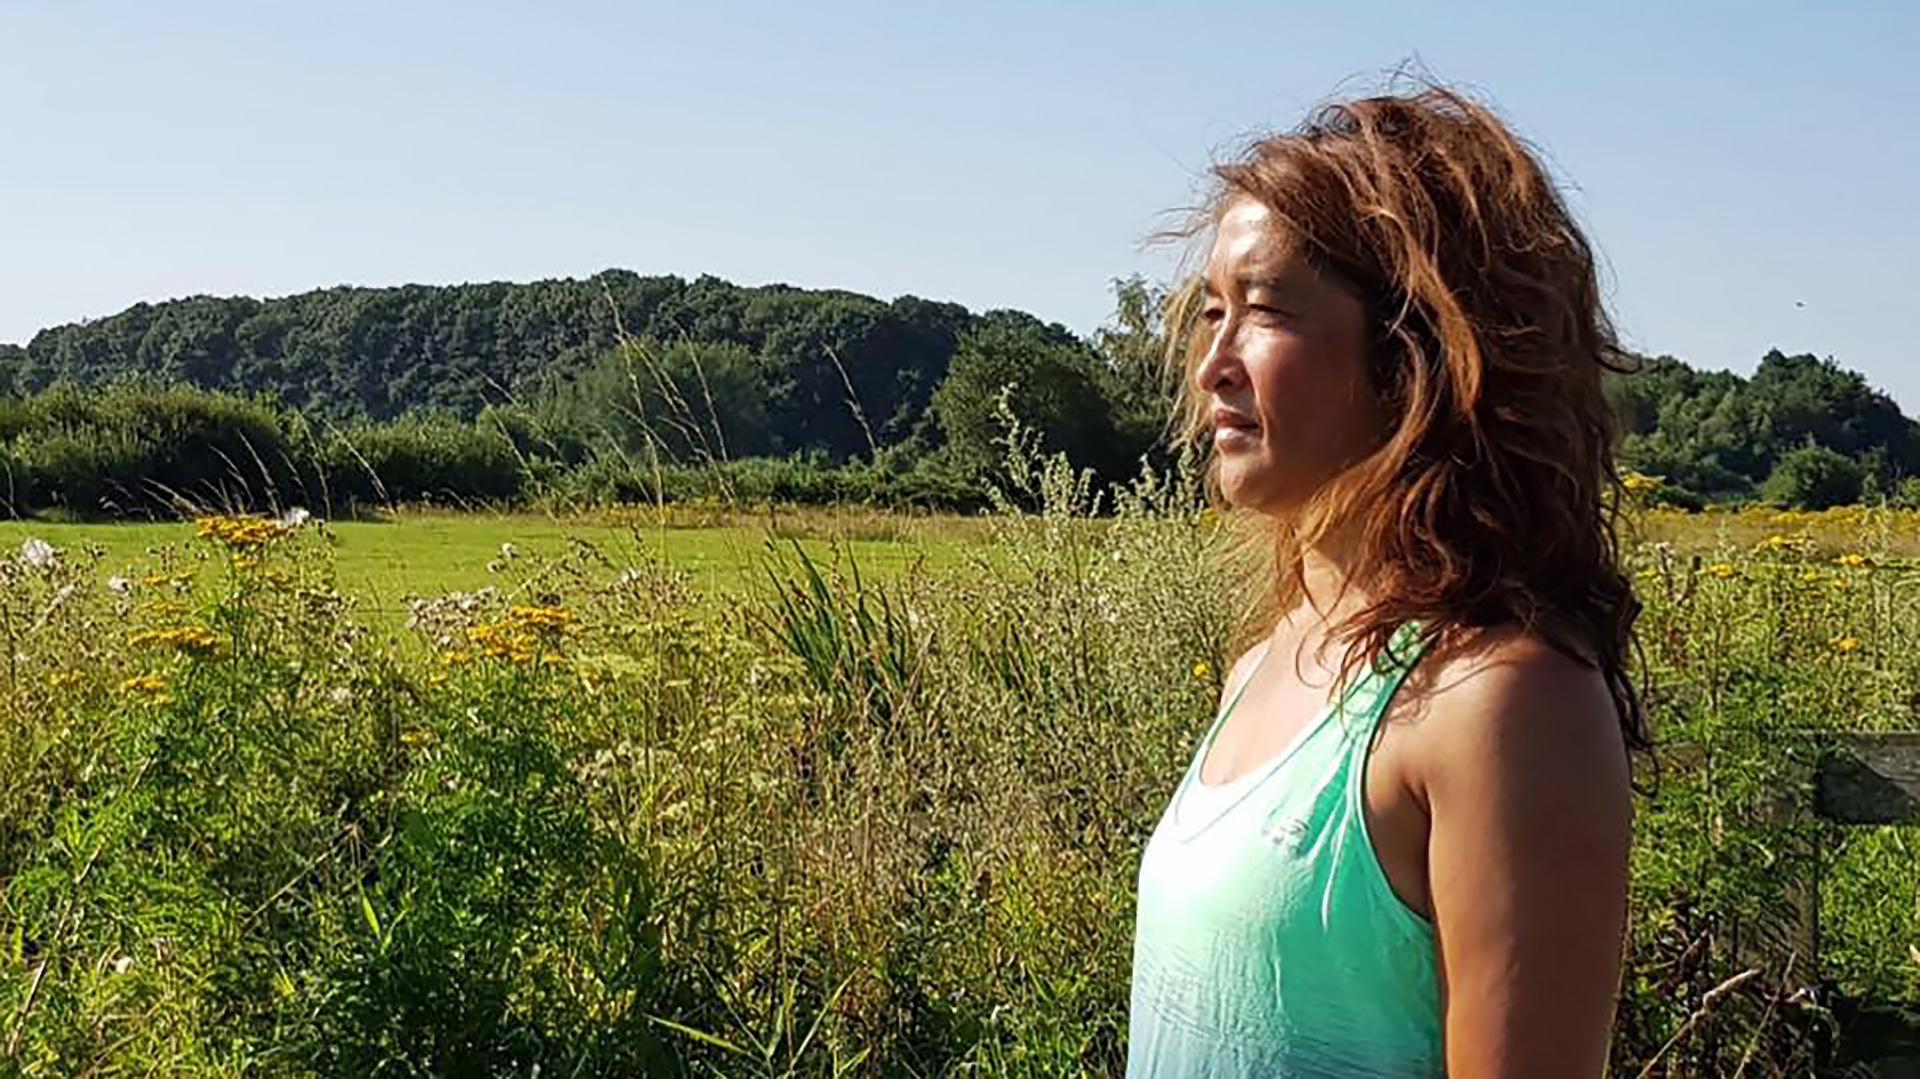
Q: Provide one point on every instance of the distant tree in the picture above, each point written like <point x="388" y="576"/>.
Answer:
<point x="12" y="359"/>
<point x="1814" y="477"/>
<point x="1134" y="345"/>
<point x="1056" y="385"/>
<point x="686" y="401"/>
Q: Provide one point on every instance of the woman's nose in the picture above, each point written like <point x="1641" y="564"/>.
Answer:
<point x="1220" y="367"/>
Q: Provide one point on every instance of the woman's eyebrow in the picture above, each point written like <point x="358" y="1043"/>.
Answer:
<point x="1286" y="289"/>
<point x="1248" y="284"/>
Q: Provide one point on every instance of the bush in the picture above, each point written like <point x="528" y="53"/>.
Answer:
<point x="423" y="460"/>
<point x="1814" y="477"/>
<point x="137" y="449"/>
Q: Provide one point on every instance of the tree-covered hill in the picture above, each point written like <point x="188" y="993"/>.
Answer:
<point x="725" y="372"/>
<point x="345" y="354"/>
<point x="1801" y="430"/>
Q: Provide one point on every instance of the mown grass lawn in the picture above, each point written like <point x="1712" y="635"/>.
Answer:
<point x="381" y="564"/>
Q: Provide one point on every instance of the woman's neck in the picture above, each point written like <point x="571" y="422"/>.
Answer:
<point x="1333" y="590"/>
<point x="1329" y="567"/>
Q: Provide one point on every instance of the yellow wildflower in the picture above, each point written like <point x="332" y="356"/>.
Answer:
<point x="197" y="639"/>
<point x="152" y="685"/>
<point x="1202" y="671"/>
<point x="180" y="580"/>
<point x="1846" y="643"/>
<point x="541" y="616"/>
<point x="1636" y="481"/>
<point x="1721" y="569"/>
<point x="241" y="532"/>
<point x="1851" y="559"/>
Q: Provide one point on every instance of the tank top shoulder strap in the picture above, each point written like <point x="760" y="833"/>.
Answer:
<point x="1385" y="671"/>
<point x="1232" y="700"/>
<point x="1358" y="704"/>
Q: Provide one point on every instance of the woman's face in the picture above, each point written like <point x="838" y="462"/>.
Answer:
<point x="1284" y="375"/>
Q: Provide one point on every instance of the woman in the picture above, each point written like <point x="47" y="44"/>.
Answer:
<point x="1401" y="850"/>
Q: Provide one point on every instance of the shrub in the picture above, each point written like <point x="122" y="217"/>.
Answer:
<point x="1814" y="477"/>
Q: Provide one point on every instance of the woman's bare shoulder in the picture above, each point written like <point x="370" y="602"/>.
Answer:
<point x="1503" y="699"/>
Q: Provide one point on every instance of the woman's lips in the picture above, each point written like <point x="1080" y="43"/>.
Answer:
<point x="1233" y="429"/>
<point x="1235" y="438"/>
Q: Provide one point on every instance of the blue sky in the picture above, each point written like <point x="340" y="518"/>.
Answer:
<point x="1731" y="161"/>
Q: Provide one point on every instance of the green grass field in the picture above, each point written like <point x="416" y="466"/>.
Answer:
<point x="382" y="564"/>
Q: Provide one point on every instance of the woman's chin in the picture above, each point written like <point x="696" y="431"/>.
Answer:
<point x="1255" y="489"/>
<point x="1241" y="485"/>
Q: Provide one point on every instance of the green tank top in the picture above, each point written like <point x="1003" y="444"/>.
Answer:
<point x="1268" y="942"/>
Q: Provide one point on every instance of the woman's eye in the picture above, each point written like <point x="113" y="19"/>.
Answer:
<point x="1213" y="314"/>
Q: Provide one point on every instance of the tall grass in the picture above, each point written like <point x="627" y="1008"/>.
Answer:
<point x="594" y="822"/>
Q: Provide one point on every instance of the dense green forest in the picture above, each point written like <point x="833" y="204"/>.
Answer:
<point x="622" y="387"/>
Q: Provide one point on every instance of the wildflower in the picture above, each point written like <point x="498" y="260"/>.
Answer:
<point x="241" y="534"/>
<point x="1636" y="481"/>
<point x="295" y="517"/>
<point x="196" y="639"/>
<point x="63" y="679"/>
<point x="1809" y="574"/>
<point x="152" y="685"/>
<point x="38" y="553"/>
<point x="1845" y="643"/>
<point x="119" y="585"/>
<point x="1851" y="559"/>
<point x="179" y="580"/>
<point x="1721" y="569"/>
<point x="508" y="550"/>
<point x="557" y="617"/>
<point x="1202" y="671"/>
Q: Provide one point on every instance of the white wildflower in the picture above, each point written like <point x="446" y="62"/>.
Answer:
<point x="38" y="553"/>
<point x="119" y="585"/>
<point x="295" y="517"/>
<point x="340" y="695"/>
<point x="508" y="550"/>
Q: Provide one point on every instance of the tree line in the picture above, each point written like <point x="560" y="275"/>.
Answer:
<point x="621" y="387"/>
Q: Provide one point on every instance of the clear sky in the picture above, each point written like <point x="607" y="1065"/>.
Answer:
<point x="1732" y="161"/>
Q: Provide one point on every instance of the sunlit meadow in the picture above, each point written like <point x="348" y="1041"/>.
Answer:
<point x="580" y="811"/>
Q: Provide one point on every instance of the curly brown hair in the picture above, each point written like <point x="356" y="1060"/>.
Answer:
<point x="1493" y="498"/>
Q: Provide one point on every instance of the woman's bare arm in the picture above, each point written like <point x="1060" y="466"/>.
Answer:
<point x="1525" y="777"/>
